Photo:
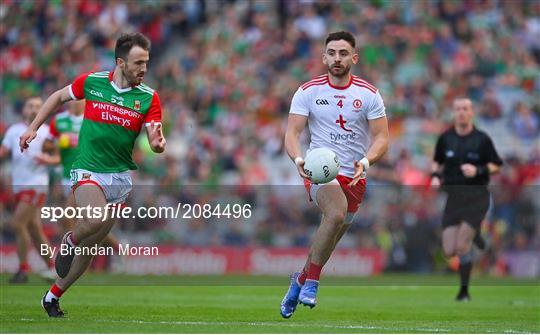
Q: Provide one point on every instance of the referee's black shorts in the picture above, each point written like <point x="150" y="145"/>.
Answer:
<point x="465" y="203"/>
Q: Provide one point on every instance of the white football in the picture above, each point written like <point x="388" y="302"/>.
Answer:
<point x="322" y="165"/>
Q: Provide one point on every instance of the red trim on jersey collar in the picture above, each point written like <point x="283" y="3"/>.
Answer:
<point x="341" y="87"/>
<point x="111" y="73"/>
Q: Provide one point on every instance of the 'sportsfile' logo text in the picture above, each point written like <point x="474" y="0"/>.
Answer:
<point x="182" y="210"/>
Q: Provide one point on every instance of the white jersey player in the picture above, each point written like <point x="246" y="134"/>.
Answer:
<point x="345" y="114"/>
<point x="28" y="174"/>
<point x="29" y="180"/>
<point x="338" y="117"/>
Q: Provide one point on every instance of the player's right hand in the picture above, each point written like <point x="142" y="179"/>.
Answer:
<point x="27" y="137"/>
<point x="359" y="173"/>
<point x="300" y="167"/>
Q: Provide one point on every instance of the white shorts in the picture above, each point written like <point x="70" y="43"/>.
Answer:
<point x="115" y="186"/>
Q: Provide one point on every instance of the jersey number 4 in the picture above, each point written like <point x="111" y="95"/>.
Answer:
<point x="340" y="103"/>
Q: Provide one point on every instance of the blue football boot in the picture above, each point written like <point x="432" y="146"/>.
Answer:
<point x="308" y="293"/>
<point x="289" y="302"/>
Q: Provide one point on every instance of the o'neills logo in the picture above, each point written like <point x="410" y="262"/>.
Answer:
<point x="113" y="114"/>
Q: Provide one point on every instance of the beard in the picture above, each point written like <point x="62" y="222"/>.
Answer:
<point x="132" y="79"/>
<point x="340" y="71"/>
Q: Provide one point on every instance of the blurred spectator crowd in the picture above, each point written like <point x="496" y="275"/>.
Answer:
<point x="226" y="72"/>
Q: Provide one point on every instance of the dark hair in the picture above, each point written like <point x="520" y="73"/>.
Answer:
<point x="127" y="41"/>
<point x="341" y="35"/>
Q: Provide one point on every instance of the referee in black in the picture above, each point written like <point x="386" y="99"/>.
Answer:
<point x="464" y="159"/>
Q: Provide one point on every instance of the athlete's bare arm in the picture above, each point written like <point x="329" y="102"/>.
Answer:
<point x="155" y="137"/>
<point x="53" y="102"/>
<point x="379" y="139"/>
<point x="295" y="126"/>
<point x="379" y="145"/>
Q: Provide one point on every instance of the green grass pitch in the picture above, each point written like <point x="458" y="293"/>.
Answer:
<point x="104" y="303"/>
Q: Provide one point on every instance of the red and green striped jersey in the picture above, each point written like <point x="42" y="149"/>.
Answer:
<point x="65" y="128"/>
<point x="113" y="118"/>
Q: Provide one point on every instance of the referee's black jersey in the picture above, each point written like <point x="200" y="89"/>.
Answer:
<point x="475" y="148"/>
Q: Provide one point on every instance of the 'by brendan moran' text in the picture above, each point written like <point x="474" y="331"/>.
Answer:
<point x="96" y="250"/>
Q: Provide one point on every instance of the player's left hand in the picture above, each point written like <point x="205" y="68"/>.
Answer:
<point x="359" y="173"/>
<point x="158" y="140"/>
<point x="469" y="170"/>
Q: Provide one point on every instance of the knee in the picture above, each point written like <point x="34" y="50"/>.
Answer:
<point x="88" y="226"/>
<point x="104" y="230"/>
<point x="336" y="218"/>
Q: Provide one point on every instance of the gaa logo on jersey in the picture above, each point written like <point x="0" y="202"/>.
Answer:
<point x="137" y="105"/>
<point x="322" y="102"/>
<point x="357" y="104"/>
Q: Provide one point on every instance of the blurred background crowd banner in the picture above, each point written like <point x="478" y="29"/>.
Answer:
<point x="226" y="72"/>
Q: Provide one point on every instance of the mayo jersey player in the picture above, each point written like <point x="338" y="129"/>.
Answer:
<point x="338" y="116"/>
<point x="113" y="118"/>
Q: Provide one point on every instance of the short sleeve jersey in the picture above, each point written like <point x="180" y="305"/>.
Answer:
<point x="338" y="117"/>
<point x="25" y="170"/>
<point x="64" y="129"/>
<point x="453" y="150"/>
<point x="113" y="118"/>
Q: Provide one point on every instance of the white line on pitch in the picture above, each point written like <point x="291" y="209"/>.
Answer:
<point x="298" y="325"/>
<point x="292" y="325"/>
